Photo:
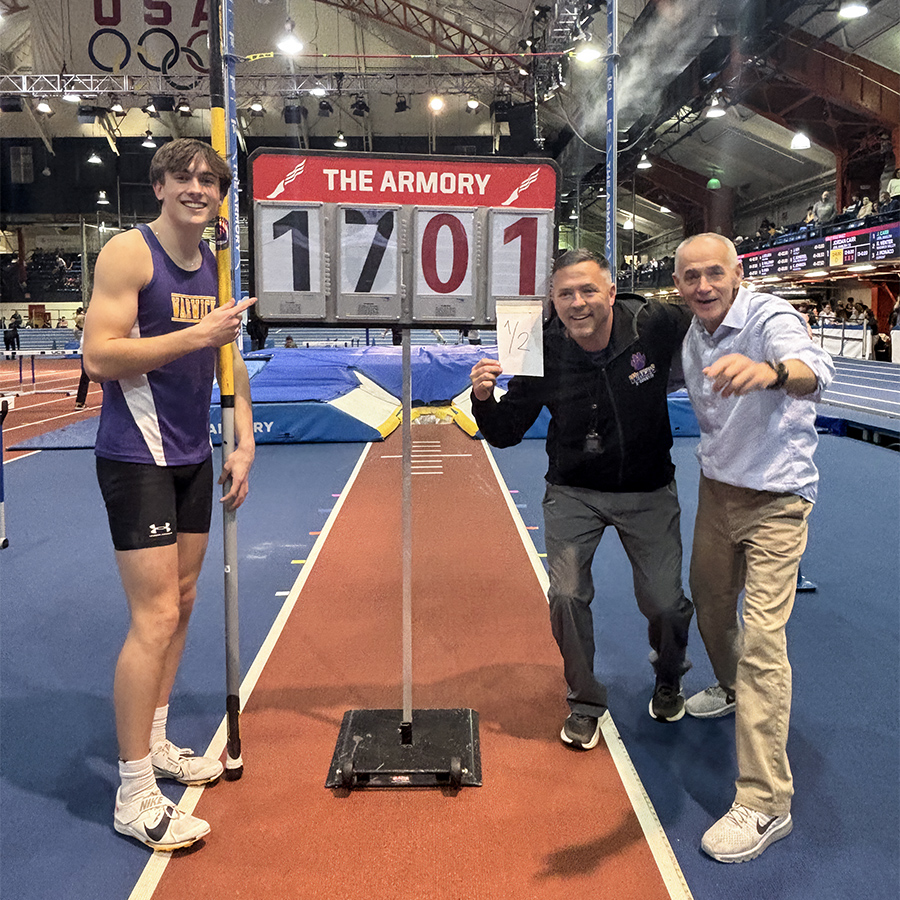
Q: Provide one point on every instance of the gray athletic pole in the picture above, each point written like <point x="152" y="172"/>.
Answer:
<point x="222" y="119"/>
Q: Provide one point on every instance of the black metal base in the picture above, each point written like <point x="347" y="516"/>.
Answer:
<point x="376" y="748"/>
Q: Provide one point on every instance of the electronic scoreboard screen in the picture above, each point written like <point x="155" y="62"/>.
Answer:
<point x="863" y="245"/>
<point x="371" y="239"/>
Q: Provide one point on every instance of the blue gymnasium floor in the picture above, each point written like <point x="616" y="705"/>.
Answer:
<point x="62" y="618"/>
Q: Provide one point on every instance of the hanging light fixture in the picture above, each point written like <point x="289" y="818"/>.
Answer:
<point x="325" y="108"/>
<point x="852" y="9"/>
<point x="102" y="199"/>
<point x="800" y="141"/>
<point x="472" y="103"/>
<point x="148" y="140"/>
<point x="402" y="105"/>
<point x="184" y="108"/>
<point x="94" y="159"/>
<point x="72" y="97"/>
<point x="713" y="184"/>
<point x="587" y="51"/>
<point x="436" y="104"/>
<point x="644" y="162"/>
<point x="359" y="107"/>
<point x="340" y="141"/>
<point x="43" y="106"/>
<point x="318" y="90"/>
<point x="629" y="225"/>
<point x="289" y="43"/>
<point x="715" y="111"/>
<point x="116" y="107"/>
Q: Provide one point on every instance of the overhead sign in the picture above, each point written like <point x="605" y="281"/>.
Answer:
<point x="353" y="238"/>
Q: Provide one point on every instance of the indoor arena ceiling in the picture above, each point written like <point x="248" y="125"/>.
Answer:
<point x="774" y="66"/>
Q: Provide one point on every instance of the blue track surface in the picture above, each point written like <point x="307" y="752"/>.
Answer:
<point x="62" y="619"/>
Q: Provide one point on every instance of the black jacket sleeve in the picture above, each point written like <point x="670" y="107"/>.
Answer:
<point x="503" y="423"/>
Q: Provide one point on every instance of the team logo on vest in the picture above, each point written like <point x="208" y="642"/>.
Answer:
<point x="186" y="308"/>
<point x="642" y="372"/>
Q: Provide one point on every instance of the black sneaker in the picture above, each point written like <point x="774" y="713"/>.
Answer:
<point x="581" y="731"/>
<point x="667" y="703"/>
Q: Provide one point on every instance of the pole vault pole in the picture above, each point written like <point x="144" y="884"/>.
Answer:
<point x="221" y="73"/>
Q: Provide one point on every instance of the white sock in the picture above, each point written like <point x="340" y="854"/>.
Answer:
<point x="158" y="731"/>
<point x="137" y="776"/>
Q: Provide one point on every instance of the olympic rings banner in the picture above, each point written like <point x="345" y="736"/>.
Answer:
<point x="151" y="37"/>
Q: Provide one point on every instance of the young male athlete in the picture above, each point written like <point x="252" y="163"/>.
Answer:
<point x="151" y="337"/>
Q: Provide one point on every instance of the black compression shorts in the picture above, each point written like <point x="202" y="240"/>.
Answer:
<point x="148" y="506"/>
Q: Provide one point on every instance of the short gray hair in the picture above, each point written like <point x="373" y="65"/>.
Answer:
<point x="712" y="235"/>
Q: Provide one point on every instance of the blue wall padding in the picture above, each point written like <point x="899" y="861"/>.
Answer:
<point x="300" y="423"/>
<point x="325" y="373"/>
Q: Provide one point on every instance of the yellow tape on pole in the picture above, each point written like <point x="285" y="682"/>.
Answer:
<point x="223" y="252"/>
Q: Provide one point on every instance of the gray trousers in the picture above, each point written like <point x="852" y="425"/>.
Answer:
<point x="648" y="524"/>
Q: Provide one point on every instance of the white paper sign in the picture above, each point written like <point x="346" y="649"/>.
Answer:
<point x="519" y="336"/>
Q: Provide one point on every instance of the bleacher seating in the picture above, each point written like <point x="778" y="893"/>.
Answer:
<point x="46" y="338"/>
<point x="324" y="336"/>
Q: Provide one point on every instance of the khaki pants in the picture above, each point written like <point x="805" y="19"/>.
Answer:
<point x="752" y="541"/>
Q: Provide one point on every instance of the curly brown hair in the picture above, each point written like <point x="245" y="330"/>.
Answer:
<point x="177" y="156"/>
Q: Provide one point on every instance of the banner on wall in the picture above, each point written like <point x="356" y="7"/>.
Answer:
<point x="159" y="37"/>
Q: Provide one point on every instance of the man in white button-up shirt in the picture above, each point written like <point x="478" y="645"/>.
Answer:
<point x="753" y="376"/>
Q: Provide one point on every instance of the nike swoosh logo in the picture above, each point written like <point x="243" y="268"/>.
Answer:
<point x="762" y="829"/>
<point x="157" y="832"/>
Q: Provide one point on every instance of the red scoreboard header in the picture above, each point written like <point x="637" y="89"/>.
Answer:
<point x="413" y="181"/>
<point x="362" y="238"/>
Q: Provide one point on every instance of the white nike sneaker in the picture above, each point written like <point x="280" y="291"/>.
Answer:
<point x="155" y="821"/>
<point x="180" y="764"/>
<point x="743" y="833"/>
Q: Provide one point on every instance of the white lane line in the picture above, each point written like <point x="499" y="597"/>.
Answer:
<point x="659" y="844"/>
<point x="156" y="865"/>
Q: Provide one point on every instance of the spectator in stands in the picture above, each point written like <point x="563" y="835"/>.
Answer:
<point x="62" y="322"/>
<point x="79" y="322"/>
<point x="11" y="340"/>
<point x="866" y="208"/>
<point x="826" y="314"/>
<point x="851" y="210"/>
<point x="810" y="218"/>
<point x="823" y="209"/>
<point x="893" y="186"/>
<point x="257" y="330"/>
<point x="289" y="342"/>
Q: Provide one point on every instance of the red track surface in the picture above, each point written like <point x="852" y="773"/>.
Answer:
<point x="37" y="413"/>
<point x="548" y="821"/>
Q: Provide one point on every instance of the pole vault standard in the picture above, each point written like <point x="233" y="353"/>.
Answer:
<point x="4" y="542"/>
<point x="612" y="129"/>
<point x="367" y="239"/>
<point x="221" y="103"/>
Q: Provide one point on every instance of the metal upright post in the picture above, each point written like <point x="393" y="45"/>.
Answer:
<point x="406" y="499"/>
<point x="612" y="131"/>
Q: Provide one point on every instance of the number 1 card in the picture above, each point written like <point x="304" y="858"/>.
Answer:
<point x="520" y="336"/>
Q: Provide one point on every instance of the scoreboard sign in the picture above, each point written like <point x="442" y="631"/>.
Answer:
<point x="374" y="239"/>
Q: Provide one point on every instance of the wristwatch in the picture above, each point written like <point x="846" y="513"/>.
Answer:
<point x="781" y="375"/>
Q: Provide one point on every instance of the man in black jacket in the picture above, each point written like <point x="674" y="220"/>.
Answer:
<point x="605" y="382"/>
